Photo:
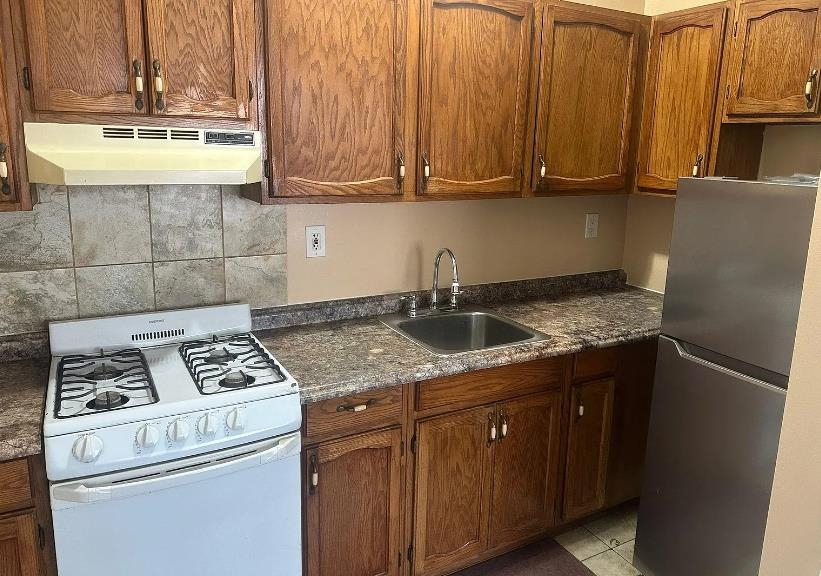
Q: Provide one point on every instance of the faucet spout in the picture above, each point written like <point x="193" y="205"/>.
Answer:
<point x="454" y="287"/>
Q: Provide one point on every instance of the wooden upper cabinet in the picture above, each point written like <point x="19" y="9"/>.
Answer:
<point x="681" y="96"/>
<point x="201" y="57"/>
<point x="452" y="490"/>
<point x="18" y="546"/>
<point x="525" y="468"/>
<point x="82" y="55"/>
<point x="475" y="63"/>
<point x="337" y="98"/>
<point x="776" y="59"/>
<point x="8" y="192"/>
<point x="589" y="64"/>
<point x="353" y="511"/>
<point x="588" y="444"/>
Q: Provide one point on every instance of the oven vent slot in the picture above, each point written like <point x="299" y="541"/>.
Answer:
<point x="185" y="135"/>
<point x="116" y="132"/>
<point x="159" y="335"/>
<point x="152" y="133"/>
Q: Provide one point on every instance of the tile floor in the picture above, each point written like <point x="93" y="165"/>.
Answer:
<point x="605" y="545"/>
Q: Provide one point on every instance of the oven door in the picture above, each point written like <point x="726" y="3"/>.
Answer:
<point x="235" y="511"/>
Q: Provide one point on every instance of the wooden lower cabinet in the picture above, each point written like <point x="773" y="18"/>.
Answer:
<point x="18" y="546"/>
<point x="353" y="505"/>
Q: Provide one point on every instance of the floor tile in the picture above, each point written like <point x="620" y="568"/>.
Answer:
<point x="610" y="564"/>
<point x="616" y="528"/>
<point x="626" y="550"/>
<point x="581" y="543"/>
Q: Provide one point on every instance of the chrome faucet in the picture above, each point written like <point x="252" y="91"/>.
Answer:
<point x="454" y="287"/>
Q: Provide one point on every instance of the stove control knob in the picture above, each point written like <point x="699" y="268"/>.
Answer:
<point x="235" y="420"/>
<point x="207" y="425"/>
<point x="147" y="436"/>
<point x="87" y="448"/>
<point x="178" y="430"/>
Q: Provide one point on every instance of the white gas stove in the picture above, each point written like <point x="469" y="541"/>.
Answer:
<point x="150" y="419"/>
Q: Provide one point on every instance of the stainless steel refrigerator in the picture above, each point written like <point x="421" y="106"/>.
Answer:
<point x="734" y="283"/>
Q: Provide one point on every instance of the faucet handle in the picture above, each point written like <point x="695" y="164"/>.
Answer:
<point x="455" y="292"/>
<point x="412" y="304"/>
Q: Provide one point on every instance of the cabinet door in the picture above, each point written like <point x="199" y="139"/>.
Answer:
<point x="201" y="57"/>
<point x="586" y="89"/>
<point x="681" y="96"/>
<point x="7" y="182"/>
<point x="18" y="546"/>
<point x="84" y="55"/>
<point x="452" y="489"/>
<point x="475" y="84"/>
<point x="587" y="447"/>
<point x="353" y="507"/>
<point x="337" y="97"/>
<point x="776" y="59"/>
<point x="525" y="468"/>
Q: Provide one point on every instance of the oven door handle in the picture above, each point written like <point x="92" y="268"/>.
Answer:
<point x="179" y="473"/>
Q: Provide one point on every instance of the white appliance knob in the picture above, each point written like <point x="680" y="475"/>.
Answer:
<point x="87" y="448"/>
<point x="207" y="425"/>
<point x="147" y="436"/>
<point x="178" y="430"/>
<point x="235" y="420"/>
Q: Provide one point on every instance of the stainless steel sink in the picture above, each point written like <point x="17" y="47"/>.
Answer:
<point x="463" y="330"/>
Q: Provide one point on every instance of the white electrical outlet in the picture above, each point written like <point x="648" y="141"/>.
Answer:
<point x="591" y="226"/>
<point x="315" y="241"/>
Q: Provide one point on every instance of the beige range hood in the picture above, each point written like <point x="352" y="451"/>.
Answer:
<point x="86" y="154"/>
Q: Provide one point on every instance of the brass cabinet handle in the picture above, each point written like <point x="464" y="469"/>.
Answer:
<point x="542" y="168"/>
<point x="425" y="168"/>
<point x="313" y="472"/>
<point x="492" y="434"/>
<point x="697" y="165"/>
<point x="355" y="407"/>
<point x="5" y="187"/>
<point x="579" y="406"/>
<point x="139" y="87"/>
<point x="503" y="427"/>
<point x="159" y="88"/>
<point x="809" y="88"/>
<point x="400" y="169"/>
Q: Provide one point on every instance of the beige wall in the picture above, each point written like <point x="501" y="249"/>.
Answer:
<point x="382" y="248"/>
<point x="789" y="149"/>
<point x="654" y="7"/>
<point x="647" y="241"/>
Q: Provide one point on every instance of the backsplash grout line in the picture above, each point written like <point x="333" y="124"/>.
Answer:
<point x="73" y="254"/>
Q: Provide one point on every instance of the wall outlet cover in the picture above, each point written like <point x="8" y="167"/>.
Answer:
<point x="314" y="241"/>
<point x="591" y="226"/>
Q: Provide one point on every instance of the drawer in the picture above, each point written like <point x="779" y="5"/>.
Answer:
<point x="15" y="487"/>
<point x="363" y="412"/>
<point x="492" y="384"/>
<point x="594" y="363"/>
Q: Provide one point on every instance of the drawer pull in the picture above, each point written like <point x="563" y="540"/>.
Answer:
<point x="139" y="87"/>
<point x="400" y="172"/>
<point x="697" y="165"/>
<point x="4" y="171"/>
<point x="809" y="88"/>
<point x="542" y="168"/>
<point x="425" y="169"/>
<point x="492" y="433"/>
<point x="355" y="407"/>
<point x="504" y="427"/>
<point x="314" y="473"/>
<point x="159" y="87"/>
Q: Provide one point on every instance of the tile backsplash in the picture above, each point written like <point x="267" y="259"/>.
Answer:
<point x="99" y="250"/>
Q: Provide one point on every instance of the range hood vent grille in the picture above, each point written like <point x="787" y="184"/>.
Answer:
<point x="152" y="133"/>
<point x="117" y="132"/>
<point x="185" y="135"/>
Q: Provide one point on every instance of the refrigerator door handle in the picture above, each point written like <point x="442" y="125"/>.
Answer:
<point x="724" y="370"/>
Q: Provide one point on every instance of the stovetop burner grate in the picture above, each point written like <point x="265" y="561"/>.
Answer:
<point x="227" y="363"/>
<point x="87" y="384"/>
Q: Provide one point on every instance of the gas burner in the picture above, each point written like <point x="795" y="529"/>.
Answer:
<point x="104" y="371"/>
<point x="228" y="363"/>
<point x="107" y="400"/>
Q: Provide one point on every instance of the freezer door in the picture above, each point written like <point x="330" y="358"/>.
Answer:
<point x="736" y="268"/>
<point x="709" y="468"/>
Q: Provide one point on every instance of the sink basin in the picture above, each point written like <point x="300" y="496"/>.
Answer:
<point x="461" y="331"/>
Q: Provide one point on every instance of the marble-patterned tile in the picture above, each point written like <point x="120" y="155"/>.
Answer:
<point x="110" y="224"/>
<point x="186" y="222"/>
<point x="31" y="299"/>
<point x="251" y="229"/>
<point x="107" y="290"/>
<point x="185" y="283"/>
<point x="615" y="528"/>
<point x="626" y="550"/>
<point x="40" y="238"/>
<point x="258" y="280"/>
<point x="610" y="564"/>
<point x="581" y="543"/>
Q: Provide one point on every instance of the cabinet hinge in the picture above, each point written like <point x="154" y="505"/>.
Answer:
<point x="410" y="554"/>
<point x="26" y="78"/>
<point x="266" y="168"/>
<point x="735" y="28"/>
<point x="638" y="168"/>
<point x="400" y="560"/>
<point x="41" y="536"/>
<point x="402" y="448"/>
<point x="250" y="90"/>
<point x="413" y="444"/>
<point x="727" y="94"/>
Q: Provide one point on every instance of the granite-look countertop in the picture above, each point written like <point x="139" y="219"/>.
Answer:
<point x="340" y="358"/>
<point x="22" y="399"/>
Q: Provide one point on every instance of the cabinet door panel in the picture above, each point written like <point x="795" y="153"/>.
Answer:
<point x="18" y="546"/>
<point x="205" y="51"/>
<point x="7" y="184"/>
<point x="776" y="49"/>
<point x="682" y="90"/>
<point x="82" y="55"/>
<point x="353" y="513"/>
<point x="525" y="468"/>
<point x="587" y="447"/>
<point x="452" y="490"/>
<point x="586" y="90"/>
<point x="337" y="96"/>
<point x="474" y="101"/>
